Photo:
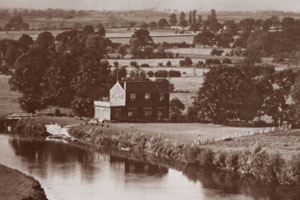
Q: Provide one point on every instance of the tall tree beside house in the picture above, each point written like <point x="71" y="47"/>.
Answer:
<point x="28" y="78"/>
<point x="176" y="108"/>
<point x="173" y="19"/>
<point x="138" y="41"/>
<point x="227" y="94"/>
<point x="58" y="79"/>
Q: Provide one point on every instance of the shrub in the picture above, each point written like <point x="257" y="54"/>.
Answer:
<point x="133" y="64"/>
<point x="4" y="70"/>
<point x="161" y="74"/>
<point x="145" y="65"/>
<point x="278" y="60"/>
<point x="188" y="61"/>
<point x="169" y="64"/>
<point x="212" y="61"/>
<point x="160" y="64"/>
<point x="181" y="63"/>
<point x="150" y="73"/>
<point x="57" y="113"/>
<point x="216" y="52"/>
<point x="174" y="73"/>
<point x="226" y="61"/>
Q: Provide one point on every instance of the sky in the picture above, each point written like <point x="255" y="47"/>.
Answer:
<point x="224" y="5"/>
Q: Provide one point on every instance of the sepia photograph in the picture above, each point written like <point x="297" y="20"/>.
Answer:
<point x="150" y="100"/>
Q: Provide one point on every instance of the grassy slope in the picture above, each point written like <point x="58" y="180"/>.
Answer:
<point x="8" y="99"/>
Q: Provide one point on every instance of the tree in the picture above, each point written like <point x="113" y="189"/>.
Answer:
<point x="122" y="50"/>
<point x="205" y="38"/>
<point x="28" y="78"/>
<point x="199" y="20"/>
<point x="144" y="25"/>
<point x="162" y="23"/>
<point x="26" y="40"/>
<point x="173" y="19"/>
<point x="16" y="23"/>
<point x="227" y="94"/>
<point x="152" y="25"/>
<point x="88" y="29"/>
<point x="139" y="40"/>
<point x="190" y="18"/>
<point x="101" y="30"/>
<point x="176" y="108"/>
<point x="182" y="21"/>
<point x="45" y="40"/>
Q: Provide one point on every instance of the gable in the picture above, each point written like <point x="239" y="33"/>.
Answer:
<point x="117" y="95"/>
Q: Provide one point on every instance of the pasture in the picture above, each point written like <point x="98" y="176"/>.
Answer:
<point x="183" y="132"/>
<point x="8" y="99"/>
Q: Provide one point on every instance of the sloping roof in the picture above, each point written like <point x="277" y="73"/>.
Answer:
<point x="145" y="87"/>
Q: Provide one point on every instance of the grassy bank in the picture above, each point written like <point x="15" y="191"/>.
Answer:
<point x="257" y="160"/>
<point x="16" y="186"/>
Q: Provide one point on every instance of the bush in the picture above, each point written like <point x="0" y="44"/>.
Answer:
<point x="145" y="65"/>
<point x="57" y="113"/>
<point x="133" y="64"/>
<point x="181" y="63"/>
<point x="150" y="73"/>
<point x="212" y="61"/>
<point x="4" y="70"/>
<point x="226" y="61"/>
<point x="161" y="74"/>
<point x="278" y="60"/>
<point x="169" y="64"/>
<point x="160" y="64"/>
<point x="174" y="73"/>
<point x="188" y="61"/>
<point x="216" y="52"/>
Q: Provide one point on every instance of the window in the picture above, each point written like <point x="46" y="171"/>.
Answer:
<point x="147" y="96"/>
<point x="130" y="113"/>
<point x="148" y="112"/>
<point x="161" y="97"/>
<point x="132" y="96"/>
<point x="160" y="114"/>
<point x="117" y="113"/>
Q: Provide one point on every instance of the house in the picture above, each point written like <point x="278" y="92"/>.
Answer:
<point x="135" y="100"/>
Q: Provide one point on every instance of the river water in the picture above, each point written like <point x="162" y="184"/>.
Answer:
<point x="70" y="173"/>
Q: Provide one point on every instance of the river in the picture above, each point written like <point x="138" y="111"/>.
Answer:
<point x="71" y="173"/>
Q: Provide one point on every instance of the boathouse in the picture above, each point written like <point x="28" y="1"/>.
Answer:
<point x="135" y="100"/>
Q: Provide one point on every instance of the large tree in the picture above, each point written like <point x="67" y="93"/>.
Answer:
<point x="173" y="19"/>
<point x="139" y="40"/>
<point x="205" y="38"/>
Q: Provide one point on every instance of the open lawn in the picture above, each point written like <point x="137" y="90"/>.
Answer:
<point x="184" y="132"/>
<point x="8" y="99"/>
<point x="283" y="142"/>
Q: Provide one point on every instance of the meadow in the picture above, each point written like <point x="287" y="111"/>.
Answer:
<point x="183" y="132"/>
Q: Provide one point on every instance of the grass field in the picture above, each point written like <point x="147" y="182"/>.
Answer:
<point x="184" y="132"/>
<point x="8" y="99"/>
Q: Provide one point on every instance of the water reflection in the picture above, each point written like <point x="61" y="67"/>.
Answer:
<point x="233" y="184"/>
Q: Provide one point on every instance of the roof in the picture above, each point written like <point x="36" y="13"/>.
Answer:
<point x="145" y="86"/>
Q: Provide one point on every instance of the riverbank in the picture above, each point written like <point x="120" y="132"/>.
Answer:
<point x="17" y="186"/>
<point x="255" y="160"/>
